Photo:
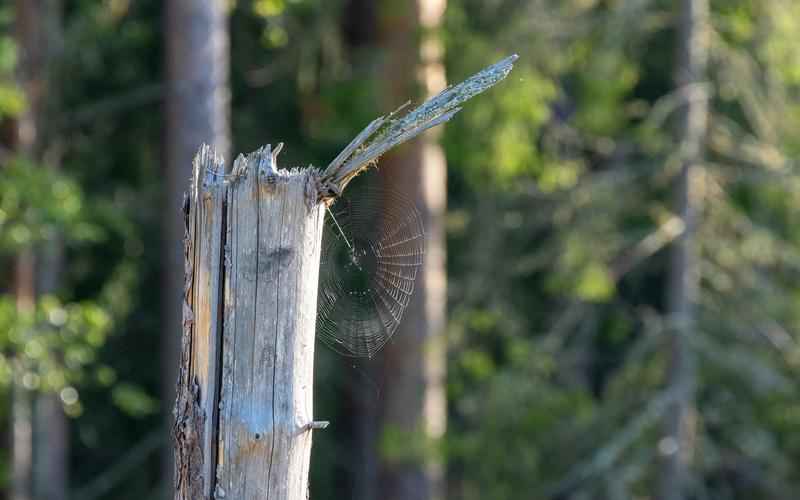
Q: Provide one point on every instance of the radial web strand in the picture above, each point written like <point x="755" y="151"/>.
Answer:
<point x="372" y="248"/>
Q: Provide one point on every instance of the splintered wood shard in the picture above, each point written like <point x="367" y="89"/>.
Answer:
<point x="387" y="132"/>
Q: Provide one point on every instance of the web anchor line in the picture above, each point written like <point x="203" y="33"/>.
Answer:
<point x="339" y="227"/>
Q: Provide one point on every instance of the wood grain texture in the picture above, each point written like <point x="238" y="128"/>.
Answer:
<point x="198" y="381"/>
<point x="244" y="404"/>
<point x="272" y="269"/>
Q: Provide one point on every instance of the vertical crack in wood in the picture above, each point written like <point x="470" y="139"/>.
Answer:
<point x="275" y="348"/>
<point x="217" y="401"/>
<point x="253" y="364"/>
<point x="308" y="410"/>
<point x="228" y="366"/>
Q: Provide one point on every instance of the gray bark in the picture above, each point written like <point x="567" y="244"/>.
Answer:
<point x="51" y="438"/>
<point x="677" y="443"/>
<point x="21" y="444"/>
<point x="197" y="112"/>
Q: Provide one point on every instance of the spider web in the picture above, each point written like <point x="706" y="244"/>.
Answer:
<point x="372" y="249"/>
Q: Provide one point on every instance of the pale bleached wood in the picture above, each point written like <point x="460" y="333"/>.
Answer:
<point x="198" y="381"/>
<point x="270" y="308"/>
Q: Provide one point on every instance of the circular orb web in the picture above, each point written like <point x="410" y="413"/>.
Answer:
<point x="372" y="249"/>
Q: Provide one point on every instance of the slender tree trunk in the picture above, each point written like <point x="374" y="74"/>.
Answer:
<point x="677" y="443"/>
<point x="51" y="451"/>
<point x="414" y="407"/>
<point x="21" y="405"/>
<point x="197" y="111"/>
<point x="50" y="424"/>
<point x="41" y="453"/>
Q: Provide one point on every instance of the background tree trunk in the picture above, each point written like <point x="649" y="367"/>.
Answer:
<point x="413" y="401"/>
<point x="21" y="406"/>
<point x="197" y="111"/>
<point x="677" y="444"/>
<point x="40" y="428"/>
<point x="51" y="465"/>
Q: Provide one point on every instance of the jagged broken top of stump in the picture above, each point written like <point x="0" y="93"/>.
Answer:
<point x="381" y="135"/>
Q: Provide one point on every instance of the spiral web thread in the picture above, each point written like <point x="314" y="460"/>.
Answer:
<point x="372" y="249"/>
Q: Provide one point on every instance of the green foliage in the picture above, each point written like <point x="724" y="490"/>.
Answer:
<point x="604" y="83"/>
<point x="522" y="434"/>
<point x="12" y="100"/>
<point x="579" y="278"/>
<point x="50" y="347"/>
<point x="134" y="400"/>
<point x="404" y="448"/>
<point x="506" y="148"/>
<point x="581" y="273"/>
<point x="36" y="204"/>
<point x="89" y="340"/>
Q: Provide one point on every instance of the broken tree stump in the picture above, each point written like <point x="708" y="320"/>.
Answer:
<point x="244" y="406"/>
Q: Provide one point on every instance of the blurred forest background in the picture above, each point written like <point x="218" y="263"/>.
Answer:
<point x="609" y="305"/>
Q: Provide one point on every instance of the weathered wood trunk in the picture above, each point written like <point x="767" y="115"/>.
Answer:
<point x="244" y="409"/>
